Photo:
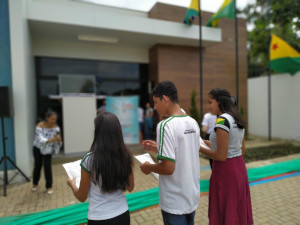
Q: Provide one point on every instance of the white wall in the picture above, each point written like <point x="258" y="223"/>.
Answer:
<point x="111" y="18"/>
<point x="68" y="49"/>
<point x="78" y="117"/>
<point x="23" y="79"/>
<point x="285" y="106"/>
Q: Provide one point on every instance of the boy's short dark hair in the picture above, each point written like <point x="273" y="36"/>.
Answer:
<point x="166" y="88"/>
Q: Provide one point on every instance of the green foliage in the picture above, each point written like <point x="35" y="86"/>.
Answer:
<point x="194" y="112"/>
<point x="242" y="111"/>
<point x="283" y="21"/>
<point x="263" y="153"/>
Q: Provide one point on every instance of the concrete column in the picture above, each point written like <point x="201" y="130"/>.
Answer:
<point x="23" y="83"/>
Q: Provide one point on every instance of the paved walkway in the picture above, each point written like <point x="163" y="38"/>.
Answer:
<point x="273" y="203"/>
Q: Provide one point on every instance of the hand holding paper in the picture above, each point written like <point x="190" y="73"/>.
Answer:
<point x="71" y="182"/>
<point x="146" y="158"/>
<point x="145" y="168"/>
<point x="202" y="144"/>
<point x="73" y="170"/>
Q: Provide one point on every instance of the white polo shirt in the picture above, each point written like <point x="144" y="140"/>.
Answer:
<point x="178" y="141"/>
<point x="209" y="120"/>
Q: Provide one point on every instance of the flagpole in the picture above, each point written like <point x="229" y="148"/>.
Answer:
<point x="200" y="61"/>
<point x="236" y="56"/>
<point x="269" y="78"/>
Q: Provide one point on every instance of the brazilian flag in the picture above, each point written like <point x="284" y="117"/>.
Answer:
<point x="192" y="11"/>
<point x="226" y="11"/>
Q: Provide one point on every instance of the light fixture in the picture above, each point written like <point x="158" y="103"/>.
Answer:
<point x="111" y="40"/>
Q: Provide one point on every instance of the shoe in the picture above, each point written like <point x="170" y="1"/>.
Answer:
<point x="49" y="191"/>
<point x="34" y="188"/>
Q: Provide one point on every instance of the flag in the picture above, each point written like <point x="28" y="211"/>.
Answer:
<point x="192" y="11"/>
<point x="283" y="58"/>
<point x="226" y="11"/>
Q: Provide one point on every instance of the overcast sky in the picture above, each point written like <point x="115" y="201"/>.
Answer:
<point x="146" y="5"/>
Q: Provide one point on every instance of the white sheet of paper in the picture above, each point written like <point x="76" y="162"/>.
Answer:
<point x="202" y="144"/>
<point x="73" y="170"/>
<point x="146" y="158"/>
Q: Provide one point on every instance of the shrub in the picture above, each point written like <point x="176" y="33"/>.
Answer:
<point x="194" y="111"/>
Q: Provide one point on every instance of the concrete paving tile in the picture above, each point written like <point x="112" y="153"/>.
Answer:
<point x="273" y="203"/>
<point x="148" y="222"/>
<point x="139" y="219"/>
<point x="158" y="222"/>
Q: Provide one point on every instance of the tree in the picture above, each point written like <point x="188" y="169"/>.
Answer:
<point x="195" y="114"/>
<point x="284" y="21"/>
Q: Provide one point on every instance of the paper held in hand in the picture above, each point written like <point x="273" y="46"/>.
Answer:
<point x="73" y="170"/>
<point x="146" y="158"/>
<point x="202" y="144"/>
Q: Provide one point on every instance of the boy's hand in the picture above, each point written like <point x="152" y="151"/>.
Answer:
<point x="150" y="146"/>
<point x="145" y="168"/>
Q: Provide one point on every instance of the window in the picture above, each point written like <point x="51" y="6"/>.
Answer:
<point x="112" y="78"/>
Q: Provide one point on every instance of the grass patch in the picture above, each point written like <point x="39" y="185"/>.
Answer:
<point x="263" y="153"/>
<point x="268" y="152"/>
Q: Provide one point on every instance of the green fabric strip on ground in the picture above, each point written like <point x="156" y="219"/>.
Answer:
<point x="273" y="169"/>
<point x="76" y="214"/>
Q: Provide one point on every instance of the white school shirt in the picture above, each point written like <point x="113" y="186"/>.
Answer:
<point x="236" y="135"/>
<point x="209" y="120"/>
<point x="141" y="114"/>
<point x="178" y="141"/>
<point x="103" y="205"/>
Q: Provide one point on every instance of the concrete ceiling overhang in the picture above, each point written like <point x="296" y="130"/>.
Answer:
<point x="65" y="22"/>
<point x="67" y="32"/>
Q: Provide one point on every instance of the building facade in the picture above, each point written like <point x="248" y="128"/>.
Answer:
<point x="128" y="51"/>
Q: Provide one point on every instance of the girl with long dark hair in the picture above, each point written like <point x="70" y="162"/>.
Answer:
<point x="229" y="192"/>
<point x="106" y="172"/>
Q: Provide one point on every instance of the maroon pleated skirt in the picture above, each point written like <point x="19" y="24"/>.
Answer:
<point x="229" y="193"/>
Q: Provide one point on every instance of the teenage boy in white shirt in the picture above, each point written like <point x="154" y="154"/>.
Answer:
<point x="177" y="149"/>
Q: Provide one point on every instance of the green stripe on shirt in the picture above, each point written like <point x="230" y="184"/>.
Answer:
<point x="82" y="167"/>
<point x="163" y="157"/>
<point x="83" y="158"/>
<point x="162" y="132"/>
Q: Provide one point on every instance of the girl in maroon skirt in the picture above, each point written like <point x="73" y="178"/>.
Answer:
<point x="229" y="192"/>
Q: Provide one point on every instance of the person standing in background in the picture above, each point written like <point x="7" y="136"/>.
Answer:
<point x="141" y="123"/>
<point x="47" y="141"/>
<point x="102" y="108"/>
<point x="208" y="124"/>
<point x="148" y="121"/>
